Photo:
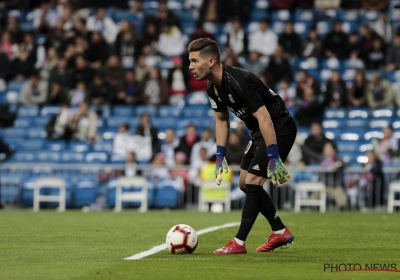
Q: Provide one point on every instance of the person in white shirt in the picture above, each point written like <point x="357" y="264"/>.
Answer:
<point x="237" y="38"/>
<point x="121" y="140"/>
<point x="103" y="24"/>
<point x="172" y="41"/>
<point x="383" y="26"/>
<point x="168" y="147"/>
<point x="263" y="40"/>
<point x="207" y="142"/>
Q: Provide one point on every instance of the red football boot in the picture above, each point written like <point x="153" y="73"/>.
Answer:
<point x="277" y="240"/>
<point x="231" y="248"/>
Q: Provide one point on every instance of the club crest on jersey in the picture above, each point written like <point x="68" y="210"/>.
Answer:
<point x="215" y="91"/>
<point x="231" y="98"/>
<point x="213" y="104"/>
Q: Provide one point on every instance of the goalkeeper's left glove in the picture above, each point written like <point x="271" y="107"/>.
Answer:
<point x="277" y="171"/>
<point x="220" y="164"/>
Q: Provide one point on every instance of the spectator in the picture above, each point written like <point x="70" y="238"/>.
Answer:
<point x="375" y="58"/>
<point x="332" y="175"/>
<point x="141" y="69"/>
<point x="215" y="11"/>
<point x="374" y="5"/>
<point x="82" y="71"/>
<point x="231" y="59"/>
<point x="179" y="170"/>
<point x="263" y="40"/>
<point x="163" y="15"/>
<point x="310" y="109"/>
<point x="197" y="166"/>
<point x="305" y="80"/>
<point x="327" y="4"/>
<point x="148" y="42"/>
<point x="178" y="79"/>
<point x="117" y="93"/>
<point x="157" y="170"/>
<point x="234" y="150"/>
<point x="130" y="86"/>
<point x="314" y="145"/>
<point x="379" y="92"/>
<point x="354" y="45"/>
<point x="200" y="32"/>
<point x="312" y="46"/>
<point x="121" y="140"/>
<point x="168" y="147"/>
<point x="206" y="141"/>
<point x="102" y="24"/>
<point x="187" y="141"/>
<point x="387" y="148"/>
<point x="237" y="38"/>
<point x="335" y="42"/>
<point x="154" y="89"/>
<point x="7" y="45"/>
<point x="279" y="66"/>
<point x="393" y="56"/>
<point x="358" y="90"/>
<point x="287" y="93"/>
<point x="290" y="41"/>
<point x="113" y="69"/>
<point x="383" y="26"/>
<point x="136" y="16"/>
<point x="131" y="166"/>
<point x="5" y="65"/>
<point x="37" y="53"/>
<point x="254" y="64"/>
<point x="366" y="40"/>
<point x="61" y="73"/>
<point x="99" y="92"/>
<point x="98" y="50"/>
<point x="57" y="95"/>
<point x="49" y="63"/>
<point x="84" y="124"/>
<point x="45" y="18"/>
<point x="58" y="125"/>
<point x="13" y="26"/>
<point x="171" y="41"/>
<point x="34" y="91"/>
<point x="56" y="38"/>
<point x="336" y="92"/>
<point x="21" y="67"/>
<point x="126" y="44"/>
<point x="146" y="128"/>
<point x="78" y="94"/>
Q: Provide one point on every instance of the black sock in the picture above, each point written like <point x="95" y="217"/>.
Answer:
<point x="250" y="210"/>
<point x="267" y="208"/>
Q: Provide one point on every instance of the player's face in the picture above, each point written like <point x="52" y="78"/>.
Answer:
<point x="199" y="66"/>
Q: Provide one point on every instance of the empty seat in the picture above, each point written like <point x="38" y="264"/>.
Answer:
<point x="49" y="110"/>
<point x="33" y="144"/>
<point x="195" y="111"/>
<point x="116" y="121"/>
<point x="85" y="192"/>
<point x="96" y="157"/>
<point x="373" y="134"/>
<point x="103" y="146"/>
<point x="79" y="146"/>
<point x="152" y="111"/>
<point x="358" y="113"/>
<point x="24" y="156"/>
<point x="28" y="111"/>
<point x="334" y="113"/>
<point x="122" y="110"/>
<point x="23" y="122"/>
<point x="14" y="132"/>
<point x="37" y="132"/>
<point x="49" y="156"/>
<point x="15" y="86"/>
<point x="169" y="111"/>
<point x="56" y="145"/>
<point x="72" y="157"/>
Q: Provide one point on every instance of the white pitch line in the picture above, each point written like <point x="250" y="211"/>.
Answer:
<point x="161" y="247"/>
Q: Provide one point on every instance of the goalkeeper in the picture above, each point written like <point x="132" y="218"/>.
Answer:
<point x="273" y="133"/>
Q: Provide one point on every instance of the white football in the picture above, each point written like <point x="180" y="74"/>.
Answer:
<point x="181" y="239"/>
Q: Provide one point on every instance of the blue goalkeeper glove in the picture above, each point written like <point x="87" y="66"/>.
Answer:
<point x="220" y="164"/>
<point x="277" y="171"/>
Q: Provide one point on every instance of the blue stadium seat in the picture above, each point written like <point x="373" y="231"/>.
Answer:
<point x="304" y="15"/>
<point x="27" y="26"/>
<point x="56" y="145"/>
<point x="37" y="132"/>
<point x="333" y="123"/>
<point x="382" y="113"/>
<point x="101" y="122"/>
<point x="41" y="121"/>
<point x="116" y="121"/>
<point x="195" y="111"/>
<point x="348" y="75"/>
<point x="85" y="192"/>
<point x="122" y="110"/>
<point x="168" y="193"/>
<point x="358" y="113"/>
<point x="332" y="133"/>
<point x="302" y="28"/>
<point x="28" y="111"/>
<point x="338" y="113"/>
<point x="96" y="157"/>
<point x="49" y="156"/>
<point x="258" y="14"/>
<point x="23" y="122"/>
<point x="278" y="27"/>
<point x="347" y="146"/>
<point x="182" y="123"/>
<point x="14" y="143"/>
<point x="108" y="133"/>
<point x="72" y="157"/>
<point x="119" y="15"/>
<point x="380" y="123"/>
<point x="79" y="146"/>
<point x="352" y="134"/>
<point x="369" y="17"/>
<point x="349" y="15"/>
<point x="33" y="144"/>
<point x="164" y="123"/>
<point x="331" y="63"/>
<point x="350" y="26"/>
<point x="117" y="159"/>
<point x="373" y="133"/>
<point x="10" y="188"/>
<point x="152" y="111"/>
<point x="15" y="86"/>
<point x="363" y="123"/>
<point x="49" y="110"/>
<point x="197" y="98"/>
<point x="281" y="15"/>
<point x="324" y="27"/>
<point x="14" y="132"/>
<point x="101" y="110"/>
<point x="24" y="157"/>
<point x="103" y="146"/>
<point x="325" y="75"/>
<point x="169" y="111"/>
<point x="309" y="64"/>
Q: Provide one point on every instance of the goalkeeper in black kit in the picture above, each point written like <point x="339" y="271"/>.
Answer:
<point x="271" y="126"/>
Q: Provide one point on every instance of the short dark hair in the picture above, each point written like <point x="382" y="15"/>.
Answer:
<point x="206" y="47"/>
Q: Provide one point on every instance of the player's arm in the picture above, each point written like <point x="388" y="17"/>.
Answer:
<point x="277" y="171"/>
<point x="222" y="128"/>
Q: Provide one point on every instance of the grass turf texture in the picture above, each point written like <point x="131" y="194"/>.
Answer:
<point x="76" y="245"/>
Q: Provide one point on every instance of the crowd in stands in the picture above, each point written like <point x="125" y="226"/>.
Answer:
<point x="315" y="54"/>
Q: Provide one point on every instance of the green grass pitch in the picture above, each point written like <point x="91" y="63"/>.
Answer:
<point x="77" y="245"/>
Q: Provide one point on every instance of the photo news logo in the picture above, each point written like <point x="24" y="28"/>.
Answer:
<point x="354" y="267"/>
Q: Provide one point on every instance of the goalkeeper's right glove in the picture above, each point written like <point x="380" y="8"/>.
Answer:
<point x="220" y="164"/>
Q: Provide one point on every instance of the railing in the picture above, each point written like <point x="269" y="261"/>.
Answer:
<point x="348" y="189"/>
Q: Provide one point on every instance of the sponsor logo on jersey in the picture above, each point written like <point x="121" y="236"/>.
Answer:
<point x="241" y="112"/>
<point x="213" y="104"/>
<point x="231" y="98"/>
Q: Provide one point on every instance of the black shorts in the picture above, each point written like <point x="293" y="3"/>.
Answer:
<point x="255" y="159"/>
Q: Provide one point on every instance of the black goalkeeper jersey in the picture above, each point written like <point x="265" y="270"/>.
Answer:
<point x="242" y="93"/>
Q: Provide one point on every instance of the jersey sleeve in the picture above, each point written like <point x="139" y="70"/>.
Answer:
<point x="215" y="103"/>
<point x="252" y="96"/>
